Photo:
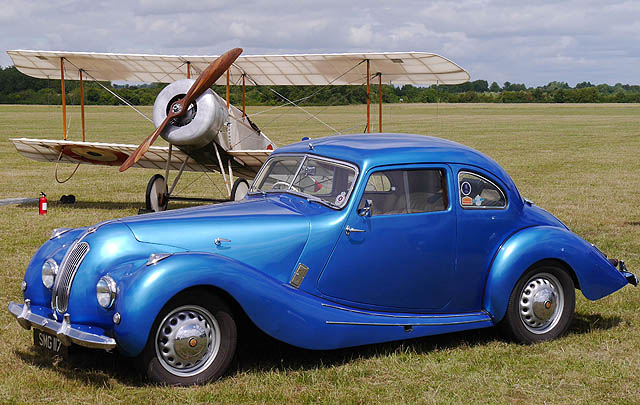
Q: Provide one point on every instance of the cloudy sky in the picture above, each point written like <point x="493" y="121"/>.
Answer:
<point x="532" y="42"/>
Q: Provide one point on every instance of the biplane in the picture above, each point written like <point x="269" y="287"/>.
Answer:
<point x="204" y="131"/>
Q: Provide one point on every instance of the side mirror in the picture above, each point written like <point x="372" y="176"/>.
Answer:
<point x="366" y="210"/>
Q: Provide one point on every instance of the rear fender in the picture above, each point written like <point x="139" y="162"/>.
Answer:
<point x="596" y="276"/>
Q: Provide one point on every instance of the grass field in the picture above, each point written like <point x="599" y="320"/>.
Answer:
<point x="578" y="161"/>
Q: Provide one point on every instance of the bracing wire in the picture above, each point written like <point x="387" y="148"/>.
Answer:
<point x="302" y="99"/>
<point x="307" y="112"/>
<point x="113" y="93"/>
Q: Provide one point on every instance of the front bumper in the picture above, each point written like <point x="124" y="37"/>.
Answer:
<point x="62" y="330"/>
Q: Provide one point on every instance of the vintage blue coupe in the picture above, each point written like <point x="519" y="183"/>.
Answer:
<point x="341" y="241"/>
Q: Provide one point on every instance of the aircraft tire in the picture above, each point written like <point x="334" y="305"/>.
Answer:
<point x="240" y="189"/>
<point x="157" y="194"/>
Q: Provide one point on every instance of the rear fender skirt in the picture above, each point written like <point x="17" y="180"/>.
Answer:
<point x="596" y="276"/>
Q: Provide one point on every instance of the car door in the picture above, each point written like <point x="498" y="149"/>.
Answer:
<point x="400" y="251"/>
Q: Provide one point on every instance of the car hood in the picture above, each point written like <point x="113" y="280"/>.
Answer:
<point x="265" y="233"/>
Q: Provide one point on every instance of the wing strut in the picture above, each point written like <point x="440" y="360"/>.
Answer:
<point x="380" y="102"/>
<point x="244" y="114"/>
<point x="82" y="104"/>
<point x="224" y="174"/>
<point x="64" y="100"/>
<point x="368" y="101"/>
<point x="228" y="88"/>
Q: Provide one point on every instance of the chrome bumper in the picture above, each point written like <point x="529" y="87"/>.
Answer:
<point x="62" y="330"/>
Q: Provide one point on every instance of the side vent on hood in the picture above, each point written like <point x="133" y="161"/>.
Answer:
<point x="299" y="275"/>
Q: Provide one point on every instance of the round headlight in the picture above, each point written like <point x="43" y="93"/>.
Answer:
<point x="49" y="271"/>
<point x="106" y="291"/>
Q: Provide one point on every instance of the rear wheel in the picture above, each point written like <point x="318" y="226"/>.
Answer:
<point x="541" y="305"/>
<point x="193" y="341"/>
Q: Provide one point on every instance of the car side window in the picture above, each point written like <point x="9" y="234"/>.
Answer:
<point x="406" y="191"/>
<point x="379" y="182"/>
<point x="477" y="191"/>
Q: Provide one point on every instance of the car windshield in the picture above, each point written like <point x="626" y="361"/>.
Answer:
<point x="320" y="179"/>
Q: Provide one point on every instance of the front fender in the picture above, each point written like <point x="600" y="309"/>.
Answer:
<point x="596" y="276"/>
<point x="143" y="293"/>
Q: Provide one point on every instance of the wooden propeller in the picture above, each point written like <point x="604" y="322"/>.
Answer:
<point x="179" y="107"/>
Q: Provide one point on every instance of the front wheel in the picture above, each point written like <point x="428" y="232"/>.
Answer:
<point x="541" y="305"/>
<point x="157" y="194"/>
<point x="193" y="341"/>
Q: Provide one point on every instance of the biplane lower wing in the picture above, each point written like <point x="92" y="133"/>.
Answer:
<point x="113" y="154"/>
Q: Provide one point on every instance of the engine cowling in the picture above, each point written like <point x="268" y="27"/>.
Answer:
<point x="202" y="122"/>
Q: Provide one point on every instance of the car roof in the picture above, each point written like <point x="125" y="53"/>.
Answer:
<point x="371" y="150"/>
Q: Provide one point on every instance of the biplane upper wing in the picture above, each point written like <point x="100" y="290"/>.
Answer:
<point x="113" y="154"/>
<point x="417" y="68"/>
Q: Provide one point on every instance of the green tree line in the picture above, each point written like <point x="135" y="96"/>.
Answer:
<point x="17" y="88"/>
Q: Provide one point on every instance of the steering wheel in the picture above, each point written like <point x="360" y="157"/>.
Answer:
<point x="283" y="183"/>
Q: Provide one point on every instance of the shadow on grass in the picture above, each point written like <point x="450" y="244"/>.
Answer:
<point x="260" y="352"/>
<point x="257" y="352"/>
<point x="585" y="323"/>
<point x="93" y="367"/>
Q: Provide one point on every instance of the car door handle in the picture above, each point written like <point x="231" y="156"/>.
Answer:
<point x="349" y="229"/>
<point x="218" y="241"/>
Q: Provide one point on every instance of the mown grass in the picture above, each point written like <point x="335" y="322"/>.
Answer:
<point x="578" y="161"/>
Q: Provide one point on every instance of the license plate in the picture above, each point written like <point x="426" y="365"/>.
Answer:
<point x="49" y="343"/>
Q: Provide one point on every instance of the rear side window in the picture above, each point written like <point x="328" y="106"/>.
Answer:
<point x="406" y="191"/>
<point x="479" y="192"/>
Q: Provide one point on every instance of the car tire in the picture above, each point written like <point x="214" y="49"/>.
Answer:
<point x="192" y="341"/>
<point x="541" y="305"/>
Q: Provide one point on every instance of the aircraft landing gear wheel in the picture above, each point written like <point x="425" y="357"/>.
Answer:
<point x="192" y="341"/>
<point x="240" y="189"/>
<point x="541" y="305"/>
<point x="157" y="194"/>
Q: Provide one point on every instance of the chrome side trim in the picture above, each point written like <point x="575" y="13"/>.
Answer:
<point x="154" y="258"/>
<point x="404" y="324"/>
<point x="62" y="330"/>
<point x="481" y="313"/>
<point x="57" y="232"/>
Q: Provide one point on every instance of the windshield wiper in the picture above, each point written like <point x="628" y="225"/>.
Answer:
<point x="320" y="200"/>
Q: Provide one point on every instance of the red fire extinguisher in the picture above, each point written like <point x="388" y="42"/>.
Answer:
<point x="43" y="203"/>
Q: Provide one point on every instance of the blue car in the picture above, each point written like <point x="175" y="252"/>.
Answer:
<point x="341" y="241"/>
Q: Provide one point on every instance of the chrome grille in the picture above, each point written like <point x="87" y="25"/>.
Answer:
<point x="68" y="269"/>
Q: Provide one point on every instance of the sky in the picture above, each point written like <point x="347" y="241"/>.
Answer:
<point x="531" y="42"/>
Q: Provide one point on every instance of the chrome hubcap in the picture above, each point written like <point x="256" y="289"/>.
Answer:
<point x="541" y="303"/>
<point x="187" y="340"/>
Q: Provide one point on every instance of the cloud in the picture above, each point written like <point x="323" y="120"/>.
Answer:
<point x="501" y="40"/>
<point x="360" y="36"/>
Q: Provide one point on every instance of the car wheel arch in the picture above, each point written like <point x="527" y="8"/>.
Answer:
<point x="497" y="313"/>
<point x="149" y="291"/>
<point x="521" y="251"/>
